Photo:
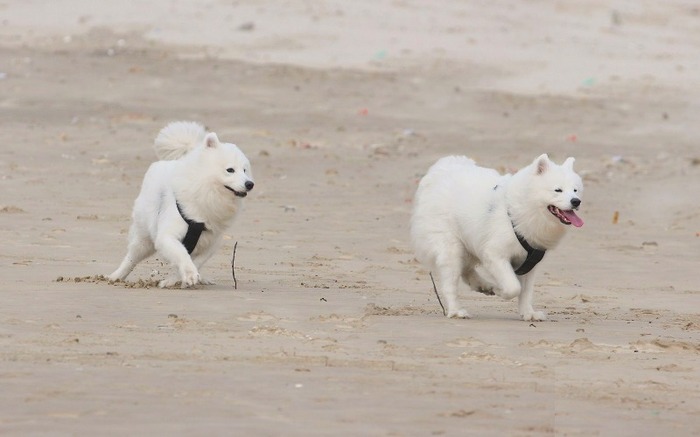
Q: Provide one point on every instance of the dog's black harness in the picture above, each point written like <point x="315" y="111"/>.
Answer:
<point x="533" y="256"/>
<point x="194" y="231"/>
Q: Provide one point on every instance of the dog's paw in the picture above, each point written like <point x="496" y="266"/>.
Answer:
<point x="485" y="290"/>
<point x="190" y="279"/>
<point x="534" y="316"/>
<point x="508" y="294"/>
<point x="461" y="313"/>
<point x="204" y="281"/>
<point x="169" y="282"/>
<point x="479" y="285"/>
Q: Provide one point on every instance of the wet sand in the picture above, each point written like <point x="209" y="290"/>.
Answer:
<point x="334" y="328"/>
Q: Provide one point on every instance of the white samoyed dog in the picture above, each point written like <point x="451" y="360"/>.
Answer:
<point x="490" y="229"/>
<point x="187" y="200"/>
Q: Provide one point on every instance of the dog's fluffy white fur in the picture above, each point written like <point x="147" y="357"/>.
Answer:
<point x="466" y="217"/>
<point x="208" y="179"/>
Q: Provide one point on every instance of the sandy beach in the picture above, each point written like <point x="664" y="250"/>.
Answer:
<point x="341" y="107"/>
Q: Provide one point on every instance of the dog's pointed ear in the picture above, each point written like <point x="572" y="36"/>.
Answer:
<point x="542" y="163"/>
<point x="211" y="140"/>
<point x="569" y="163"/>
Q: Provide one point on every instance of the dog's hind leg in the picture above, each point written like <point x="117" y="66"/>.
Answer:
<point x="140" y="248"/>
<point x="448" y="267"/>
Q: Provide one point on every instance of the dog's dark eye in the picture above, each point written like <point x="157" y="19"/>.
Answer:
<point x="558" y="190"/>
<point x="230" y="170"/>
<point x="575" y="190"/>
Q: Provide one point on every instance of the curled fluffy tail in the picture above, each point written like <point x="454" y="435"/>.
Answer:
<point x="178" y="138"/>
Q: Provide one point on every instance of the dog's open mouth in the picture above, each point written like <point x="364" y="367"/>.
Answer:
<point x="237" y="193"/>
<point x="567" y="217"/>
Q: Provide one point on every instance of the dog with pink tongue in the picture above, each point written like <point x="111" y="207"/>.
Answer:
<point x="491" y="230"/>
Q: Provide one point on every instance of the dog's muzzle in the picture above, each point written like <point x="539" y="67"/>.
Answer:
<point x="248" y="186"/>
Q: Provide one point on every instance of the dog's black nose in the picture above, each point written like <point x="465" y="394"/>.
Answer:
<point x="249" y="186"/>
<point x="575" y="202"/>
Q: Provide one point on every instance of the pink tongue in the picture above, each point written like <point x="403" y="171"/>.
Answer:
<point x="573" y="218"/>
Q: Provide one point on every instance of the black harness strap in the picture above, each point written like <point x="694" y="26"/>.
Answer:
<point x="533" y="256"/>
<point x="194" y="231"/>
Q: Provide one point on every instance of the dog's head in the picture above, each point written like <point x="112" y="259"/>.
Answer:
<point x="229" y="167"/>
<point x="558" y="188"/>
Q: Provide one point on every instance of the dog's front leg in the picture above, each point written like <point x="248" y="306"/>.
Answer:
<point x="527" y="312"/>
<point x="175" y="253"/>
<point x="200" y="259"/>
<point x="507" y="283"/>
